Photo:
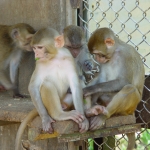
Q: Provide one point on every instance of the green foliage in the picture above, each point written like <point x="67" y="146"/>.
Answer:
<point x="91" y="143"/>
<point x="145" y="136"/>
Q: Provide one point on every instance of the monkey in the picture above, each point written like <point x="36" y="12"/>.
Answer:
<point x="14" y="39"/>
<point x="75" y="42"/>
<point x="54" y="73"/>
<point x="120" y="84"/>
<point x="123" y="79"/>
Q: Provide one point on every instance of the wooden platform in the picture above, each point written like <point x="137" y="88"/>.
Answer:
<point x="15" y="110"/>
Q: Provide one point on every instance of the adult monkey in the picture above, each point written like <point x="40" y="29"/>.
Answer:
<point x="75" y="42"/>
<point x="14" y="40"/>
<point x="50" y="81"/>
<point x="122" y="72"/>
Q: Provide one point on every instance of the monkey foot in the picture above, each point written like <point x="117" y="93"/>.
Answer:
<point x="97" y="122"/>
<point x="95" y="110"/>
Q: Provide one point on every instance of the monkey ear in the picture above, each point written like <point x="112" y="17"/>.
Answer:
<point x="109" y="42"/>
<point x="29" y="36"/>
<point x="15" y="33"/>
<point x="59" y="41"/>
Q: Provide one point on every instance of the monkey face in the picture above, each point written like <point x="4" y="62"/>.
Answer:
<point x="23" y="41"/>
<point x="100" y="57"/>
<point x="39" y="51"/>
<point x="74" y="50"/>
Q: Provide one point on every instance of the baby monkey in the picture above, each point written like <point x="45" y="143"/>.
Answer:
<point x="54" y="73"/>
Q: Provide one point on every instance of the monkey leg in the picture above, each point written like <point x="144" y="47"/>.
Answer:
<point x="123" y="103"/>
<point x="51" y="101"/>
<point x="4" y="81"/>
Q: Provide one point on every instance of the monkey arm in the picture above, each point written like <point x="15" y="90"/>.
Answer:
<point x="34" y="90"/>
<point x="75" y="87"/>
<point x="78" y="99"/>
<point x="105" y="87"/>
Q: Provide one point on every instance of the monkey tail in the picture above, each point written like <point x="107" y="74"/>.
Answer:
<point x="32" y="114"/>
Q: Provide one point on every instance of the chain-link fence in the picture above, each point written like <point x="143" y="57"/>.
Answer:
<point x="130" y="20"/>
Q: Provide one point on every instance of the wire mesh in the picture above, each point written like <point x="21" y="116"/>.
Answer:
<point x="130" y="21"/>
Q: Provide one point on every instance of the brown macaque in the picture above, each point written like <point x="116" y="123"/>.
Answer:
<point x="75" y="42"/>
<point x="26" y="145"/>
<point x="13" y="41"/>
<point x="120" y="83"/>
<point x="54" y="73"/>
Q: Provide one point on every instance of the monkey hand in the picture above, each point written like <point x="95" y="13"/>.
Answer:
<point x="88" y="65"/>
<point x="84" y="126"/>
<point x="46" y="124"/>
<point x="95" y="110"/>
<point x="97" y="122"/>
<point x="73" y="115"/>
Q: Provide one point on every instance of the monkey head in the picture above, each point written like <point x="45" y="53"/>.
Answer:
<point x="45" y="43"/>
<point x="22" y="34"/>
<point x="75" y="42"/>
<point x="102" y="45"/>
<point x="74" y="39"/>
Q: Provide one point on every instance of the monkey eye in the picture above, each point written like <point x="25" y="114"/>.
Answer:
<point x="40" y="47"/>
<point x="99" y="55"/>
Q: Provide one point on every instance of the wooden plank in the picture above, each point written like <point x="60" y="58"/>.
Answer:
<point x="120" y="120"/>
<point x="14" y="110"/>
<point x="103" y="132"/>
<point x="3" y="123"/>
<point x="70" y="127"/>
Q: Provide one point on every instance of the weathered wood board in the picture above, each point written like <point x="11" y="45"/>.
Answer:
<point x="15" y="110"/>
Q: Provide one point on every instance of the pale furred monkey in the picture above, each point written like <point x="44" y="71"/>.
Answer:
<point x="54" y="73"/>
